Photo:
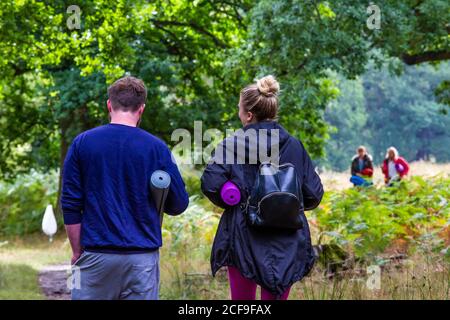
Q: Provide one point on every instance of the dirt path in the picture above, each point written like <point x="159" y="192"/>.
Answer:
<point x="53" y="282"/>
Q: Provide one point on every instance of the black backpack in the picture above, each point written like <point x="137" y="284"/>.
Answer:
<point x="275" y="200"/>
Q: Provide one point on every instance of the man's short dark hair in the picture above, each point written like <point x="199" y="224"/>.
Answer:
<point x="127" y="94"/>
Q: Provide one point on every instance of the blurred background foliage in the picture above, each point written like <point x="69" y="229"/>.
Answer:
<point x="195" y="56"/>
<point x="380" y="110"/>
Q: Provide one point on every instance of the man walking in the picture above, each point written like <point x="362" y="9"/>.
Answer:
<point x="111" y="221"/>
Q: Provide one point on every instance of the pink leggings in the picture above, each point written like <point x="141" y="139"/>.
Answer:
<point x="245" y="289"/>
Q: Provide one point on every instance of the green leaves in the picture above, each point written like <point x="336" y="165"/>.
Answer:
<point x="195" y="57"/>
<point x="55" y="79"/>
<point x="300" y="42"/>
<point x="23" y="202"/>
<point x="368" y="220"/>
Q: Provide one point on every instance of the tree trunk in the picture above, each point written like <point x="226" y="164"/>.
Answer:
<point x="78" y="121"/>
<point x="62" y="155"/>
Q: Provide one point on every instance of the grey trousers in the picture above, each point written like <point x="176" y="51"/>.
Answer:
<point x="107" y="276"/>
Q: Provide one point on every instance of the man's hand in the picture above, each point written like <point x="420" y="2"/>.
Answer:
<point x="75" y="257"/>
<point x="73" y="233"/>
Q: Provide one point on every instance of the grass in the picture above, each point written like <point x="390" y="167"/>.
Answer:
<point x="21" y="259"/>
<point x="185" y="272"/>
<point x="415" y="278"/>
<point x="35" y="251"/>
<point x="422" y="273"/>
<point x="19" y="282"/>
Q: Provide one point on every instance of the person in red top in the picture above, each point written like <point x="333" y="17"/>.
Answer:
<point x="394" y="167"/>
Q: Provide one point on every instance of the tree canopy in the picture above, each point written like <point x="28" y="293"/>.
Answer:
<point x="194" y="57"/>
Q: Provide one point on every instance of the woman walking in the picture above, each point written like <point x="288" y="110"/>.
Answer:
<point x="272" y="254"/>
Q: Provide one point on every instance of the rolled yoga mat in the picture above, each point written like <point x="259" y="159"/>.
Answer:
<point x="159" y="188"/>
<point x="230" y="193"/>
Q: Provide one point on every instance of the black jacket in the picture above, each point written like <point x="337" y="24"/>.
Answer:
<point x="367" y="164"/>
<point x="274" y="260"/>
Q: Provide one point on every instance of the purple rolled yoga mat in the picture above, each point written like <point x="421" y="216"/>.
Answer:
<point x="230" y="193"/>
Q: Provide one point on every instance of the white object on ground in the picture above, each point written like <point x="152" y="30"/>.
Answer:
<point x="49" y="225"/>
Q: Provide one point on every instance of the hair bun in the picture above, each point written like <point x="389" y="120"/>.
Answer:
<point x="268" y="86"/>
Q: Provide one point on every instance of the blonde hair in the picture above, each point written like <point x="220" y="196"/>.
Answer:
<point x="394" y="150"/>
<point x="261" y="98"/>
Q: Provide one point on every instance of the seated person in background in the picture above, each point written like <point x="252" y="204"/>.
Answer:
<point x="394" y="167"/>
<point x="361" y="168"/>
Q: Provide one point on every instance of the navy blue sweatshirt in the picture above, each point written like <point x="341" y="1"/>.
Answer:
<point x="105" y="187"/>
